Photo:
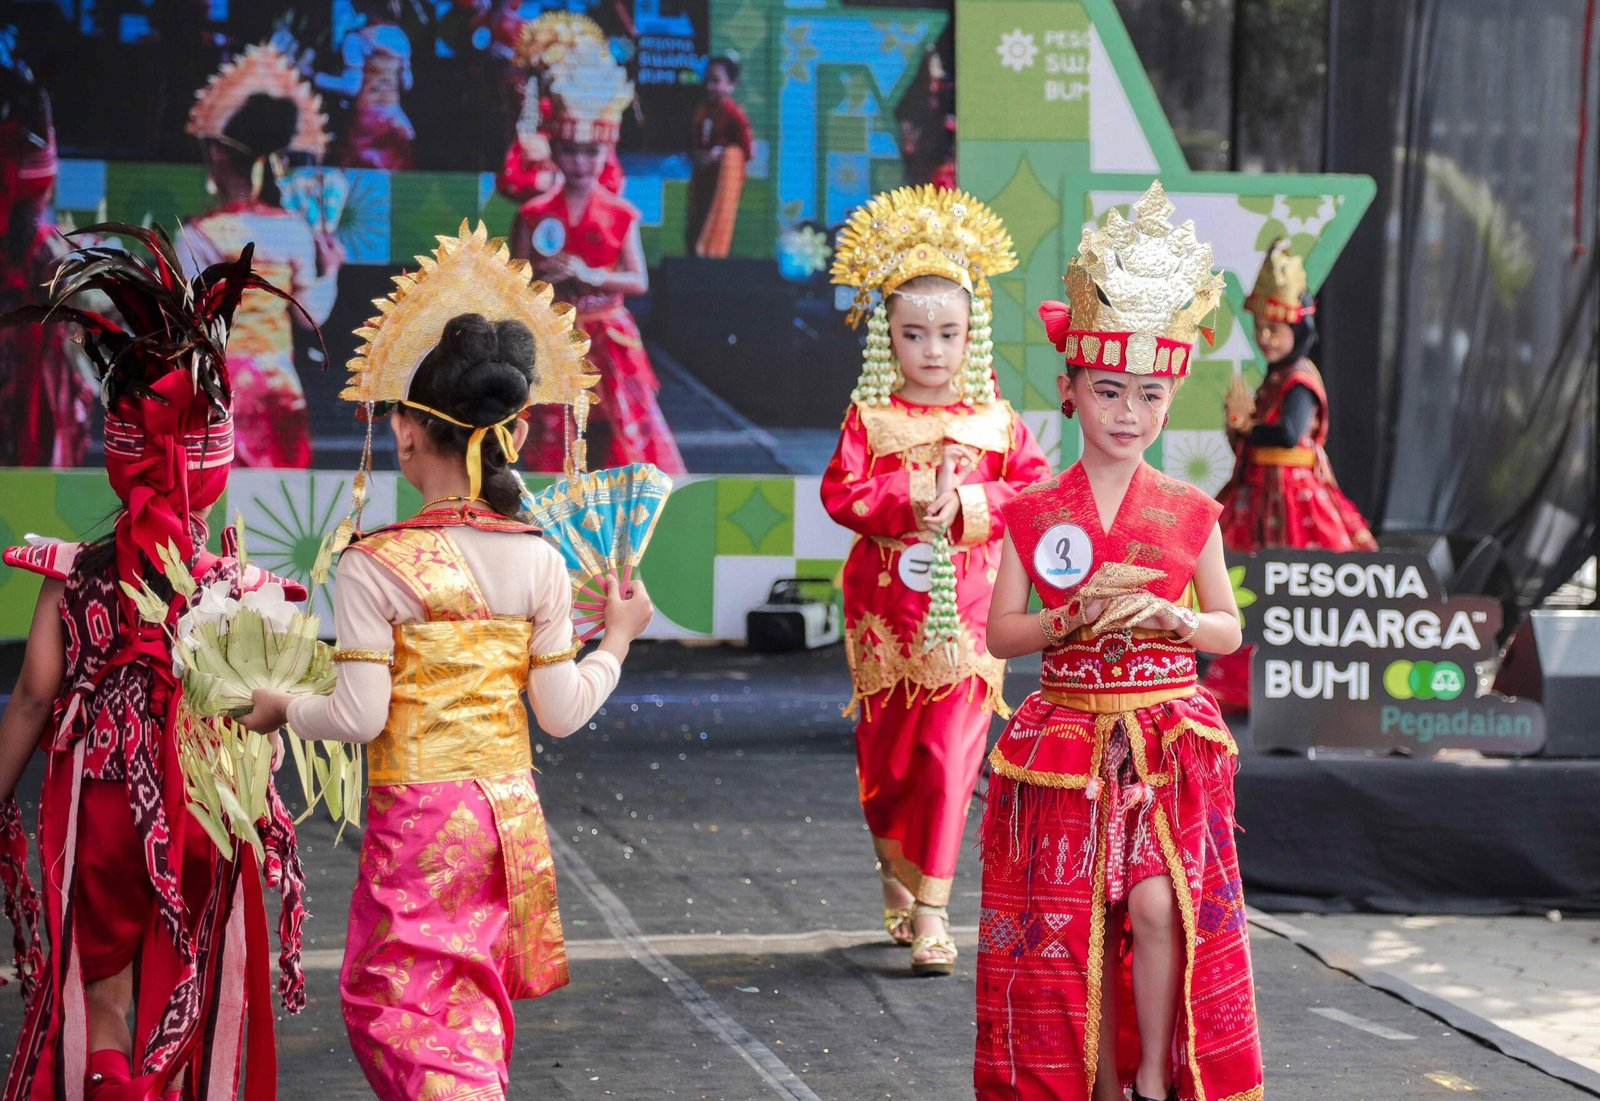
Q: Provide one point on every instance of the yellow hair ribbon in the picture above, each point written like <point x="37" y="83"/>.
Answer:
<point x="475" y="442"/>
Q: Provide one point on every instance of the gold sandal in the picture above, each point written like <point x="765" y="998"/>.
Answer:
<point x="896" y="917"/>
<point x="928" y="942"/>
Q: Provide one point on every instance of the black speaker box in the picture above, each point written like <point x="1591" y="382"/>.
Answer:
<point x="1554" y="658"/>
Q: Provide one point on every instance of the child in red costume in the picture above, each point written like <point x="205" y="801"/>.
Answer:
<point x="542" y="45"/>
<point x="585" y="241"/>
<point x="719" y="146"/>
<point x="1112" y="949"/>
<point x="98" y="694"/>
<point x="1283" y="492"/>
<point x="928" y="455"/>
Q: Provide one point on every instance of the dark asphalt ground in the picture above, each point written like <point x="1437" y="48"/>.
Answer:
<point x="722" y="914"/>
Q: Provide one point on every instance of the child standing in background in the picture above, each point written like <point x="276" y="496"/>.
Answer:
<point x="719" y="147"/>
<point x="928" y="455"/>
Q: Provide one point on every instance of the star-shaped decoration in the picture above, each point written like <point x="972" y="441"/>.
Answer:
<point x="1056" y="144"/>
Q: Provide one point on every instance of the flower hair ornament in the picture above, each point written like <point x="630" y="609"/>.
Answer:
<point x="910" y="232"/>
<point x="1136" y="294"/>
<point x="468" y="273"/>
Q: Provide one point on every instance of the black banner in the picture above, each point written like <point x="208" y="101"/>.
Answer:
<point x="1365" y="651"/>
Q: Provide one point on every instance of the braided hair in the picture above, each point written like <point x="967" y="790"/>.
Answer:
<point x="479" y="373"/>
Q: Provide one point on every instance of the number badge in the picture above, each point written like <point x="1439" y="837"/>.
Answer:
<point x="916" y="567"/>
<point x="1064" y="556"/>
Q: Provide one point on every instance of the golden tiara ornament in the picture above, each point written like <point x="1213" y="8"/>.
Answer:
<point x="922" y="230"/>
<point x="589" y="92"/>
<point x="468" y="273"/>
<point x="547" y="40"/>
<point x="1281" y="286"/>
<point x="1137" y="293"/>
<point x="267" y="70"/>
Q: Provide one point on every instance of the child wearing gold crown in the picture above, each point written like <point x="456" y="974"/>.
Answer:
<point x="445" y="620"/>
<point x="255" y="109"/>
<point x="1112" y="948"/>
<point x="585" y="240"/>
<point x="1282" y="493"/>
<point x="928" y="454"/>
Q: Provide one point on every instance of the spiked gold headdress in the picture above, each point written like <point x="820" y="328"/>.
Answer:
<point x="914" y="231"/>
<point x="1136" y="293"/>
<point x="267" y="70"/>
<point x="1281" y="291"/>
<point x="469" y="273"/>
<point x="589" y="92"/>
<point x="547" y="40"/>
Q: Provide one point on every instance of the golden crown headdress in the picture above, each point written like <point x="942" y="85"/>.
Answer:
<point x="468" y="273"/>
<point x="1281" y="291"/>
<point x="1137" y="293"/>
<point x="913" y="231"/>
<point x="267" y="70"/>
<point x="547" y="40"/>
<point x="589" y="92"/>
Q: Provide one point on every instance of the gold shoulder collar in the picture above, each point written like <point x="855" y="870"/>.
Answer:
<point x="893" y="428"/>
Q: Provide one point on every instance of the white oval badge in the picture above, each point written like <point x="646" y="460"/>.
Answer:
<point x="1064" y="556"/>
<point x="549" y="237"/>
<point x="916" y="567"/>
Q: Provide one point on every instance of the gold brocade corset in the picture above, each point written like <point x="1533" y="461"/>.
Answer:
<point x="455" y="709"/>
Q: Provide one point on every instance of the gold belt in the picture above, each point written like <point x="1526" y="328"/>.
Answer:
<point x="1113" y="703"/>
<point x="1283" y="456"/>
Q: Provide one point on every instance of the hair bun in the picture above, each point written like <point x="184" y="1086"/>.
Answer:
<point x="265" y="124"/>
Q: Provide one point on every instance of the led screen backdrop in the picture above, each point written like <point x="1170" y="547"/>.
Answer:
<point x="1058" y="125"/>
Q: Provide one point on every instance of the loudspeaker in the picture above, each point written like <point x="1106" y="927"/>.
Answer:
<point x="1554" y="658"/>
<point x="790" y="620"/>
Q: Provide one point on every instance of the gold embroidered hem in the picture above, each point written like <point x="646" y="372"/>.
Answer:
<point x="376" y="657"/>
<point x="977" y="525"/>
<point x="879" y="661"/>
<point x="892" y="429"/>
<point x="929" y="890"/>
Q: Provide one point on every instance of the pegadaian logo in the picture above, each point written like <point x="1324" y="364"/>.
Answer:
<point x="1424" y="680"/>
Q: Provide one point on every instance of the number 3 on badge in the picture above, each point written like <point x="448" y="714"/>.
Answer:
<point x="1064" y="556"/>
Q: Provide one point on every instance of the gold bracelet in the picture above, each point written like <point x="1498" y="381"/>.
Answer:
<point x="376" y="657"/>
<point x="542" y="660"/>
<point x="1190" y="619"/>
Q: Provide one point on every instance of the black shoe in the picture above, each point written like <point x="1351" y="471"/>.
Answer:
<point x="1135" y="1095"/>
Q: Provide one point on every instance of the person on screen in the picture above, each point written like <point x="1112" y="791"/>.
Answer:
<point x="928" y="454"/>
<point x="45" y="398"/>
<point x="528" y="170"/>
<point x="1283" y="492"/>
<point x="376" y="73"/>
<point x="252" y="111"/>
<point x="719" y="149"/>
<point x="1113" y="952"/>
<point x="585" y="240"/>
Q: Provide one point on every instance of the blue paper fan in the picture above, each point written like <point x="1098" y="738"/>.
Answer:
<point x="601" y="522"/>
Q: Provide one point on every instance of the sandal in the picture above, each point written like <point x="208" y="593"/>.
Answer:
<point x="896" y="917"/>
<point x="931" y="943"/>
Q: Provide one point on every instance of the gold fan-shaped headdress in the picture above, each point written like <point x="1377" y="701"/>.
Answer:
<point x="1281" y="286"/>
<point x="468" y="273"/>
<point x="1137" y="293"/>
<point x="547" y="40"/>
<point x="914" y="231"/>
<point x="267" y="70"/>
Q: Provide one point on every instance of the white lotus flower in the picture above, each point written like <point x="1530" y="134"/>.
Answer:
<point x="214" y="606"/>
<point x="270" y="603"/>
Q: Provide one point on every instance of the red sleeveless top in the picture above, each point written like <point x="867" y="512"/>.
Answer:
<point x="1162" y="524"/>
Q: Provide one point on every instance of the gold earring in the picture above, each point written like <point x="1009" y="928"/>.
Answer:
<point x="407" y="452"/>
